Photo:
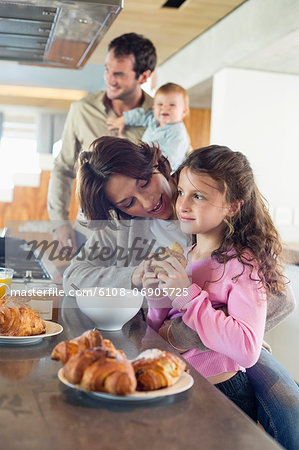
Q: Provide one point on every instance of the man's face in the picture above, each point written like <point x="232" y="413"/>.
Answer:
<point x="121" y="82"/>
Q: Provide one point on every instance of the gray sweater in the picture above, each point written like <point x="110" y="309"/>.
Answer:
<point x="110" y="255"/>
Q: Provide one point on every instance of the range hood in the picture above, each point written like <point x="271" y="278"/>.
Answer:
<point x="54" y="33"/>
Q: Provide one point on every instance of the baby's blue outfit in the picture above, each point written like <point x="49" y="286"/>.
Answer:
<point x="172" y="138"/>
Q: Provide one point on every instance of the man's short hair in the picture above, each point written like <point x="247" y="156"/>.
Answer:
<point x="137" y="45"/>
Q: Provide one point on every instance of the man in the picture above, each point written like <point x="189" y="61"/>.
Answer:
<point x="130" y="61"/>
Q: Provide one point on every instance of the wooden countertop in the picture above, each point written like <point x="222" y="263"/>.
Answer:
<point x="38" y="412"/>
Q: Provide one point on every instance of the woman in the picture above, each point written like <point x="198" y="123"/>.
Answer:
<point x="119" y="180"/>
<point x="114" y="165"/>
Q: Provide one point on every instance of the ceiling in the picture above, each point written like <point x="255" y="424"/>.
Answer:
<point x="251" y="34"/>
<point x="170" y="29"/>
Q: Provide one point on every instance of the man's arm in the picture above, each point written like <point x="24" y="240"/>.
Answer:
<point x="62" y="180"/>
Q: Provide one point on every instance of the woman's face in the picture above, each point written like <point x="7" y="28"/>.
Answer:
<point x="141" y="198"/>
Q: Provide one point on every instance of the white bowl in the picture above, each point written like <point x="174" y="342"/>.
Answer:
<point x="109" y="308"/>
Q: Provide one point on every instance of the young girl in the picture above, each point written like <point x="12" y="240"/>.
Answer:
<point x="232" y="269"/>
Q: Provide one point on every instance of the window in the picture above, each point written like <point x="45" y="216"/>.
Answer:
<point x="18" y="144"/>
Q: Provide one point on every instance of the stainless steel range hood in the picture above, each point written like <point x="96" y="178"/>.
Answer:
<point x="54" y="33"/>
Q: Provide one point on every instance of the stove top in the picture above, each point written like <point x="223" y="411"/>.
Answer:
<point x="14" y="253"/>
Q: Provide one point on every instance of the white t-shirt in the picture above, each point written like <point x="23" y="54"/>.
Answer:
<point x="165" y="232"/>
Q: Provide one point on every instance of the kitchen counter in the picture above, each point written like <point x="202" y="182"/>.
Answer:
<point x="39" y="412"/>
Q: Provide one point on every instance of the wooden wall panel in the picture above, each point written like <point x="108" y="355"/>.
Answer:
<point x="198" y="124"/>
<point x="30" y="203"/>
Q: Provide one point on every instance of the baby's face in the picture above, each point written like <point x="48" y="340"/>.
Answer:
<point x="169" y="108"/>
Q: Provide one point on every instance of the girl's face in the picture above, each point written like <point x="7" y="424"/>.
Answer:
<point x="141" y="198"/>
<point x="200" y="206"/>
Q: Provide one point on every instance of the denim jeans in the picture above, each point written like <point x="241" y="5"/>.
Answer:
<point x="277" y="400"/>
<point x="239" y="390"/>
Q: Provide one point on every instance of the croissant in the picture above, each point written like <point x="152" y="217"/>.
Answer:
<point x="20" y="322"/>
<point x="173" y="250"/>
<point x="156" y="369"/>
<point x="89" y="339"/>
<point x="111" y="373"/>
<point x="76" y="365"/>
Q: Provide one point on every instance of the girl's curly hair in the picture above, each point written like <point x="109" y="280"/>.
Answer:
<point x="252" y="227"/>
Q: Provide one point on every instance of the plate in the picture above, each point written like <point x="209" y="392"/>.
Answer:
<point x="183" y="384"/>
<point x="52" y="329"/>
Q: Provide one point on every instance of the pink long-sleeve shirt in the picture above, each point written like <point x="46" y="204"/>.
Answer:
<point x="234" y="340"/>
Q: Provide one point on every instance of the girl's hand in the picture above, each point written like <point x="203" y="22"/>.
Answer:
<point x="175" y="277"/>
<point x="116" y="123"/>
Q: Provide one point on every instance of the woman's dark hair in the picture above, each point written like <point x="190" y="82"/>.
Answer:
<point x="108" y="156"/>
<point x="135" y="44"/>
<point x="252" y="227"/>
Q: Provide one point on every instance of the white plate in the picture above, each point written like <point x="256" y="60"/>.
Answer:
<point x="184" y="382"/>
<point x="52" y="329"/>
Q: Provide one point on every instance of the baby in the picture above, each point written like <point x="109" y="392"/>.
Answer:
<point x="164" y="125"/>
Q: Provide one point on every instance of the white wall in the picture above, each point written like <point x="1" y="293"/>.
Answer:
<point x="257" y="113"/>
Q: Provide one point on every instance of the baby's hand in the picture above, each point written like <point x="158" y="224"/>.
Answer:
<point x="116" y="123"/>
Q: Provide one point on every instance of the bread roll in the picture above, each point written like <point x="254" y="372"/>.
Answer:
<point x="173" y="250"/>
<point x="156" y="369"/>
